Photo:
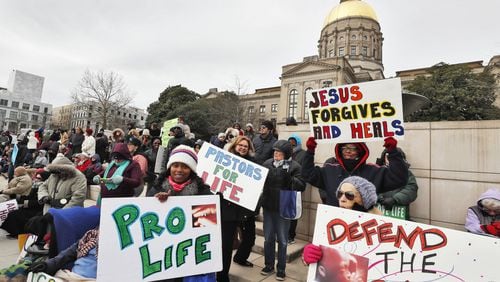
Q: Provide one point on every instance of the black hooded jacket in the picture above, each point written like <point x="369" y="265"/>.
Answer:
<point x="329" y="177"/>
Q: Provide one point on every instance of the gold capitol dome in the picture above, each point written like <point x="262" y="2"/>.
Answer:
<point x="350" y="8"/>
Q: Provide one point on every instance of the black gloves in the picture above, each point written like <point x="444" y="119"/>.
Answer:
<point x="44" y="200"/>
<point x="39" y="266"/>
<point x="387" y="202"/>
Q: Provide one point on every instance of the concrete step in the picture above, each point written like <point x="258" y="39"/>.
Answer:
<point x="293" y="251"/>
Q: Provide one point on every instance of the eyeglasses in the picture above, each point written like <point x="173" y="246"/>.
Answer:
<point x="117" y="158"/>
<point x="230" y="136"/>
<point x="263" y="127"/>
<point x="349" y="148"/>
<point x="349" y="195"/>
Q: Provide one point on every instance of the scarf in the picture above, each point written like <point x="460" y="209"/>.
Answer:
<point x="88" y="242"/>
<point x="278" y="163"/>
<point x="176" y="186"/>
<point x="119" y="171"/>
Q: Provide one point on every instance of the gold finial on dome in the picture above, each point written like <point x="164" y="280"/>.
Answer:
<point x="350" y="8"/>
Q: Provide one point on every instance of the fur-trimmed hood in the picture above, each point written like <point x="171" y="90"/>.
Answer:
<point x="64" y="171"/>
<point x="118" y="130"/>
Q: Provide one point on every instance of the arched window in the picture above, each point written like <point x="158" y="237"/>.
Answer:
<point x="306" y="108"/>
<point x="292" y="103"/>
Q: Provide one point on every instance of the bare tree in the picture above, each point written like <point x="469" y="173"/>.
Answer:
<point x="104" y="90"/>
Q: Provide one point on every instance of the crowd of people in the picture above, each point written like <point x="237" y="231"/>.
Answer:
<point x="54" y="171"/>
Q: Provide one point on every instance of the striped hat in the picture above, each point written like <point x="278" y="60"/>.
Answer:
<point x="183" y="154"/>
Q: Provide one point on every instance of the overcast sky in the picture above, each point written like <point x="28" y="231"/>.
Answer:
<point x="203" y="44"/>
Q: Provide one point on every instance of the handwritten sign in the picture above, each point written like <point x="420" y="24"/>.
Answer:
<point x="370" y="247"/>
<point x="6" y="208"/>
<point x="142" y="239"/>
<point x="239" y="180"/>
<point x="165" y="130"/>
<point x="42" y="277"/>
<point x="369" y="111"/>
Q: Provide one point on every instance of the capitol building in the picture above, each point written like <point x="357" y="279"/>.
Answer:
<point x="349" y="51"/>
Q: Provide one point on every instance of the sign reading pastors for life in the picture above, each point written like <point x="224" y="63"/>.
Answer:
<point x="239" y="180"/>
<point x="369" y="111"/>
<point x="142" y="239"/>
<point x="360" y="246"/>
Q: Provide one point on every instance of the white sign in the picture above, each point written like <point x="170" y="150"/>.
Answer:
<point x="42" y="277"/>
<point x="142" y="239"/>
<point x="239" y="180"/>
<point x="367" y="247"/>
<point x="369" y="111"/>
<point x="6" y="208"/>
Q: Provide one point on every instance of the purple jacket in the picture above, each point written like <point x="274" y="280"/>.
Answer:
<point x="476" y="217"/>
<point x="132" y="176"/>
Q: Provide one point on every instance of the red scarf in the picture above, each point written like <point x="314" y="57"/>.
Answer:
<point x="176" y="186"/>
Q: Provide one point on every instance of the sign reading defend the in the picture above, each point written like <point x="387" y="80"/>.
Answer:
<point x="142" y="239"/>
<point x="369" y="111"/>
<point x="360" y="246"/>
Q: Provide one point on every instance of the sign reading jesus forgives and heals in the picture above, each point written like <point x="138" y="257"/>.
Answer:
<point x="368" y="111"/>
<point x="239" y="180"/>
<point x="142" y="239"/>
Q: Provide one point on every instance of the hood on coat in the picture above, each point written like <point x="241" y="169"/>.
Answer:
<point x="62" y="160"/>
<point x="63" y="171"/>
<point x="491" y="193"/>
<point x="43" y="153"/>
<point x="364" y="153"/>
<point x="97" y="158"/>
<point x="122" y="150"/>
<point x="115" y="131"/>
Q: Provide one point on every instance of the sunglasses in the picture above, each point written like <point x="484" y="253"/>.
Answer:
<point x="349" y="195"/>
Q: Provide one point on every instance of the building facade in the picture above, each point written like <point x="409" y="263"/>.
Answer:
<point x="20" y="103"/>
<point x="90" y="116"/>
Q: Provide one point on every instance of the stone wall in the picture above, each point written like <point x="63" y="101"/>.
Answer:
<point x="454" y="163"/>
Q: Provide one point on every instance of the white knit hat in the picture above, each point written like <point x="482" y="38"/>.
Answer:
<point x="183" y="154"/>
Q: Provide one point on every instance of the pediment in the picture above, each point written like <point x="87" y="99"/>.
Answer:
<point x="311" y="67"/>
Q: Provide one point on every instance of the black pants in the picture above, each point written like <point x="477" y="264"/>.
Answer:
<point x="291" y="231"/>
<point x="228" y="230"/>
<point x="247" y="226"/>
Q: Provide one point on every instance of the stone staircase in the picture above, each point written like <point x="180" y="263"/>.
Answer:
<point x="293" y="251"/>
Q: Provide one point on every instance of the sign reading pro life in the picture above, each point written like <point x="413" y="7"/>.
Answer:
<point x="361" y="112"/>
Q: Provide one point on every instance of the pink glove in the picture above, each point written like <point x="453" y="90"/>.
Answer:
<point x="390" y="144"/>
<point x="312" y="253"/>
<point x="311" y="144"/>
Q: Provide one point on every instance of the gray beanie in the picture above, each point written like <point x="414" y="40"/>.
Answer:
<point x="365" y="188"/>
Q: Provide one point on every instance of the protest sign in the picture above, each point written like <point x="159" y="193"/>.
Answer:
<point x="365" y="247"/>
<point x="240" y="181"/>
<point x="42" y="277"/>
<point x="142" y="239"/>
<point x="5" y="208"/>
<point x="165" y="130"/>
<point x="360" y="112"/>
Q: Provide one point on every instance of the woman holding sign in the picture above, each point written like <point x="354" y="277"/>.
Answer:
<point x="354" y="193"/>
<point x="180" y="179"/>
<point x="234" y="216"/>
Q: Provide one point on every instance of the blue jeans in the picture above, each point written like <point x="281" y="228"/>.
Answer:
<point x="275" y="227"/>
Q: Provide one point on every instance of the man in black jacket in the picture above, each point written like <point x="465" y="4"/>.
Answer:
<point x="264" y="142"/>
